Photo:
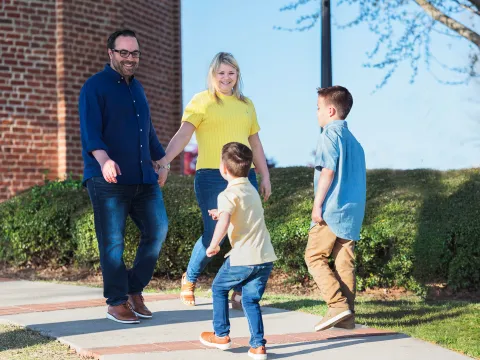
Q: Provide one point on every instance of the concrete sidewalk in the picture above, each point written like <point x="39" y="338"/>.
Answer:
<point x="75" y="315"/>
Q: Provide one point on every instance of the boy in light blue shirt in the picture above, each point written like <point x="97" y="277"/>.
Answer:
<point x="338" y="208"/>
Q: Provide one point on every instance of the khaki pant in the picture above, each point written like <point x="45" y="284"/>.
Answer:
<point x="337" y="287"/>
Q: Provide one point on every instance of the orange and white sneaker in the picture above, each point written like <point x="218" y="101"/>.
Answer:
<point x="187" y="291"/>
<point x="259" y="353"/>
<point x="208" y="338"/>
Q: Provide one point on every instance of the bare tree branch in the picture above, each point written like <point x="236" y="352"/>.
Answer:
<point x="446" y="20"/>
<point x="405" y="32"/>
<point x="476" y="3"/>
<point x="469" y="8"/>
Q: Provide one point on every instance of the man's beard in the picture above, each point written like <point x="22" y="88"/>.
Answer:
<point x="120" y="67"/>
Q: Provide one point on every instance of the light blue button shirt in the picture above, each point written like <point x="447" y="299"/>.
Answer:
<point x="344" y="205"/>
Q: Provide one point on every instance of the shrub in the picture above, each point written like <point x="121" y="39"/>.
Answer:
<point x="420" y="226"/>
<point x="35" y="225"/>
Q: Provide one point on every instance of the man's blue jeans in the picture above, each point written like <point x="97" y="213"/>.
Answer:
<point x="209" y="183"/>
<point x="112" y="203"/>
<point x="252" y="279"/>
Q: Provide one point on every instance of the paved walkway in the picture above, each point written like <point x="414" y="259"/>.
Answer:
<point x="75" y="315"/>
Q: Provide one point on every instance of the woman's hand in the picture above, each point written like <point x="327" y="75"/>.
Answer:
<point x="265" y="188"/>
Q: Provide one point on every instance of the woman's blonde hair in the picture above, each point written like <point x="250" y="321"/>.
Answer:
<point x="227" y="59"/>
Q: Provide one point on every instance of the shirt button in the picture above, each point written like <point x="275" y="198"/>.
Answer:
<point x="141" y="145"/>
<point x="141" y="161"/>
<point x="133" y="100"/>
<point x="138" y="114"/>
<point x="141" y="130"/>
<point x="119" y="81"/>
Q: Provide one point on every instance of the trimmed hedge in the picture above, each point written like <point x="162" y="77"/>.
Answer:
<point x="421" y="226"/>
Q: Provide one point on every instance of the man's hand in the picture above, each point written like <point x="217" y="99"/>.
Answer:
<point x="162" y="176"/>
<point x="265" y="188"/>
<point x="213" y="213"/>
<point x="110" y="171"/>
<point x="213" y="251"/>
<point x="317" y="213"/>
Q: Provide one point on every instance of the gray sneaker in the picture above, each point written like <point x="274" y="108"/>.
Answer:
<point x="332" y="317"/>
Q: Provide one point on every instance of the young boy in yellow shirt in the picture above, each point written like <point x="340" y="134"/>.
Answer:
<point x="250" y="261"/>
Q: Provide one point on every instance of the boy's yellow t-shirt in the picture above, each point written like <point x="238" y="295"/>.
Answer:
<point x="248" y="234"/>
<point x="218" y="124"/>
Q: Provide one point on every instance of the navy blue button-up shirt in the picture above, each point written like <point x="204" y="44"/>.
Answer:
<point x="115" y="117"/>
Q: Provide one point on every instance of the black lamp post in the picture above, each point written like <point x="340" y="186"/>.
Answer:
<point x="326" y="36"/>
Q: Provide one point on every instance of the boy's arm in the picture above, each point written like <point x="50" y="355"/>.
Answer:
<point x="220" y="232"/>
<point x="324" y="183"/>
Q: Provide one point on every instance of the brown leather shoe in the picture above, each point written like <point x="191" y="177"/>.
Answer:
<point x="208" y="338"/>
<point x="259" y="353"/>
<point x="137" y="303"/>
<point x="122" y="313"/>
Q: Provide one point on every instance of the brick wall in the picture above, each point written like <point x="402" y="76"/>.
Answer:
<point x="49" y="48"/>
<point x="28" y="107"/>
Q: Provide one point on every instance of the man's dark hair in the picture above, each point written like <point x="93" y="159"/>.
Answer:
<point x="116" y="34"/>
<point x="237" y="158"/>
<point x="339" y="97"/>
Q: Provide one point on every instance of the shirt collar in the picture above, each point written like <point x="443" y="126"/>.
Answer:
<point x="238" y="181"/>
<point x="336" y="123"/>
<point x="115" y="75"/>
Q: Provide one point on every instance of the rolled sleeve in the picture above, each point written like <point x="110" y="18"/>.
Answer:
<point x="90" y="111"/>
<point x="156" y="149"/>
<point x="226" y="203"/>
<point x="328" y="153"/>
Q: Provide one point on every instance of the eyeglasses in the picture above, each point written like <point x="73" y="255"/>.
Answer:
<point x="125" y="53"/>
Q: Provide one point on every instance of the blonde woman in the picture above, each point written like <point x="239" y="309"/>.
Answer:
<point x="218" y="115"/>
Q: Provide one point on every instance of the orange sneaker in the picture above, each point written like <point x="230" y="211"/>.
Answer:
<point x="208" y="338"/>
<point x="259" y="353"/>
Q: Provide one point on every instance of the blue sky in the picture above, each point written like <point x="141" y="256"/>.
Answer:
<point x="402" y="126"/>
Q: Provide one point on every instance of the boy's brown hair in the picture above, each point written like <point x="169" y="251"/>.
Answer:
<point x="237" y="158"/>
<point x="339" y="97"/>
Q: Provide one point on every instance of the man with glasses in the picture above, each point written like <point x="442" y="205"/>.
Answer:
<point x="123" y="163"/>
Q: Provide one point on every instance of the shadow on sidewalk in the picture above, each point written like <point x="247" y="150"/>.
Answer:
<point x="323" y="345"/>
<point x="160" y="318"/>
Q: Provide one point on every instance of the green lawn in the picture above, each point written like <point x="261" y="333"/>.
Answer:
<point x="17" y="343"/>
<point x="452" y="324"/>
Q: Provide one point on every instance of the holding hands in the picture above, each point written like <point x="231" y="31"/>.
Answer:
<point x="213" y="213"/>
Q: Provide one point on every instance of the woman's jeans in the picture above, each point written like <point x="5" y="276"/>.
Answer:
<point x="112" y="203"/>
<point x="209" y="183"/>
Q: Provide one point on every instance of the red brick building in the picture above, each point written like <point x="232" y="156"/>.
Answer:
<point x="48" y="48"/>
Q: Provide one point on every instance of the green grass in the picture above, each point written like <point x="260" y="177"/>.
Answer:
<point x="17" y="343"/>
<point x="452" y="324"/>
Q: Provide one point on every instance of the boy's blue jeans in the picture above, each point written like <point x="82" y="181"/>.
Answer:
<point x="112" y="203"/>
<point x="209" y="183"/>
<point x="252" y="279"/>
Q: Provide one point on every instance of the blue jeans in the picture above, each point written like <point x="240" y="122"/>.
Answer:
<point x="208" y="184"/>
<point x="252" y="279"/>
<point x="112" y="203"/>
